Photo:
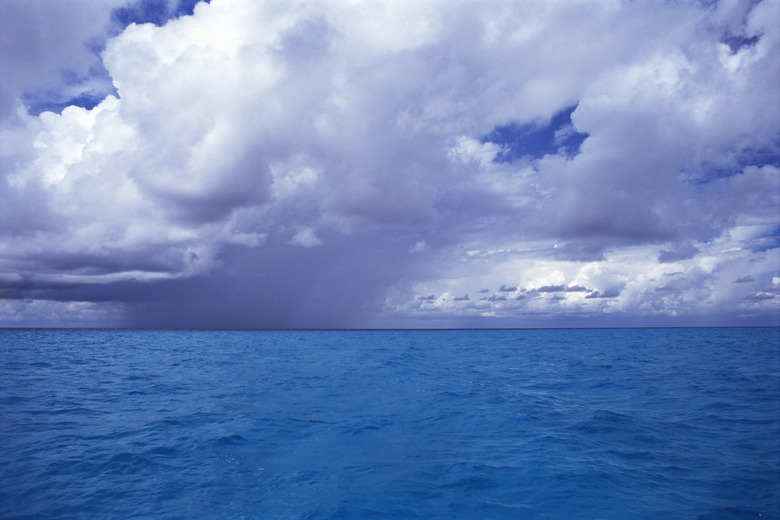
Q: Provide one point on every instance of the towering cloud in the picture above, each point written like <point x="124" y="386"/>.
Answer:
<point x="289" y="164"/>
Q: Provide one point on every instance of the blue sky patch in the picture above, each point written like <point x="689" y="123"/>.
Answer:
<point x="767" y="241"/>
<point x="532" y="140"/>
<point x="760" y="157"/>
<point x="153" y="11"/>
<point x="81" y="91"/>
<point x="48" y="102"/>
<point x="737" y="43"/>
<point x="708" y="172"/>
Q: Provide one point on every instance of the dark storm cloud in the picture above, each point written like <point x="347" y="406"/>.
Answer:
<point x="278" y="287"/>
<point x="149" y="259"/>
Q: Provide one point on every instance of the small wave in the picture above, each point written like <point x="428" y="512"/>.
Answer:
<point x="230" y="440"/>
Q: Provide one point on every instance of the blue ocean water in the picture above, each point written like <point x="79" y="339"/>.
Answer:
<point x="548" y="424"/>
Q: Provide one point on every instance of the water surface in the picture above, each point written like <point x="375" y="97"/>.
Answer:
<point x="549" y="424"/>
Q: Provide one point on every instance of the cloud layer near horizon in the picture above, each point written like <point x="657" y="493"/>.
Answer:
<point x="337" y="164"/>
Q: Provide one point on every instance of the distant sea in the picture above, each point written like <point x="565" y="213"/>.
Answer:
<point x="472" y="424"/>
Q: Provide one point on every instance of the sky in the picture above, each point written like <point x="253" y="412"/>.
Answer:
<point x="389" y="164"/>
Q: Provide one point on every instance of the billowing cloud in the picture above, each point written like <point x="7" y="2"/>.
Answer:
<point x="288" y="164"/>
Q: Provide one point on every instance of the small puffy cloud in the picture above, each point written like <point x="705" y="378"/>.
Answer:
<point x="306" y="237"/>
<point x="419" y="247"/>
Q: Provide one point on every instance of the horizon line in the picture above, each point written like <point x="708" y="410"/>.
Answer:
<point x="378" y="329"/>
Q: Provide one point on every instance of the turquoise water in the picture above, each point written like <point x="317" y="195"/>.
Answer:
<point x="549" y="424"/>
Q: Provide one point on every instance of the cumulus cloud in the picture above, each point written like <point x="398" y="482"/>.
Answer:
<point x="306" y="238"/>
<point x="571" y="158"/>
<point x="419" y="247"/>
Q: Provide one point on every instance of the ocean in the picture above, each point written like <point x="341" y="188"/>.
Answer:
<point x="446" y="424"/>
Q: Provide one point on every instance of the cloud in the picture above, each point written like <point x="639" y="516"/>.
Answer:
<point x="570" y="158"/>
<point x="43" y="313"/>
<point x="50" y="52"/>
<point x="609" y="293"/>
<point x="551" y="288"/>
<point x="419" y="247"/>
<point x="306" y="238"/>
<point x="682" y="252"/>
<point x="45" y="52"/>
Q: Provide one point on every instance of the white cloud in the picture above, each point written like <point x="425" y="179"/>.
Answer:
<point x="306" y="237"/>
<point x="627" y="282"/>
<point x="419" y="247"/>
<point x="249" y="122"/>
